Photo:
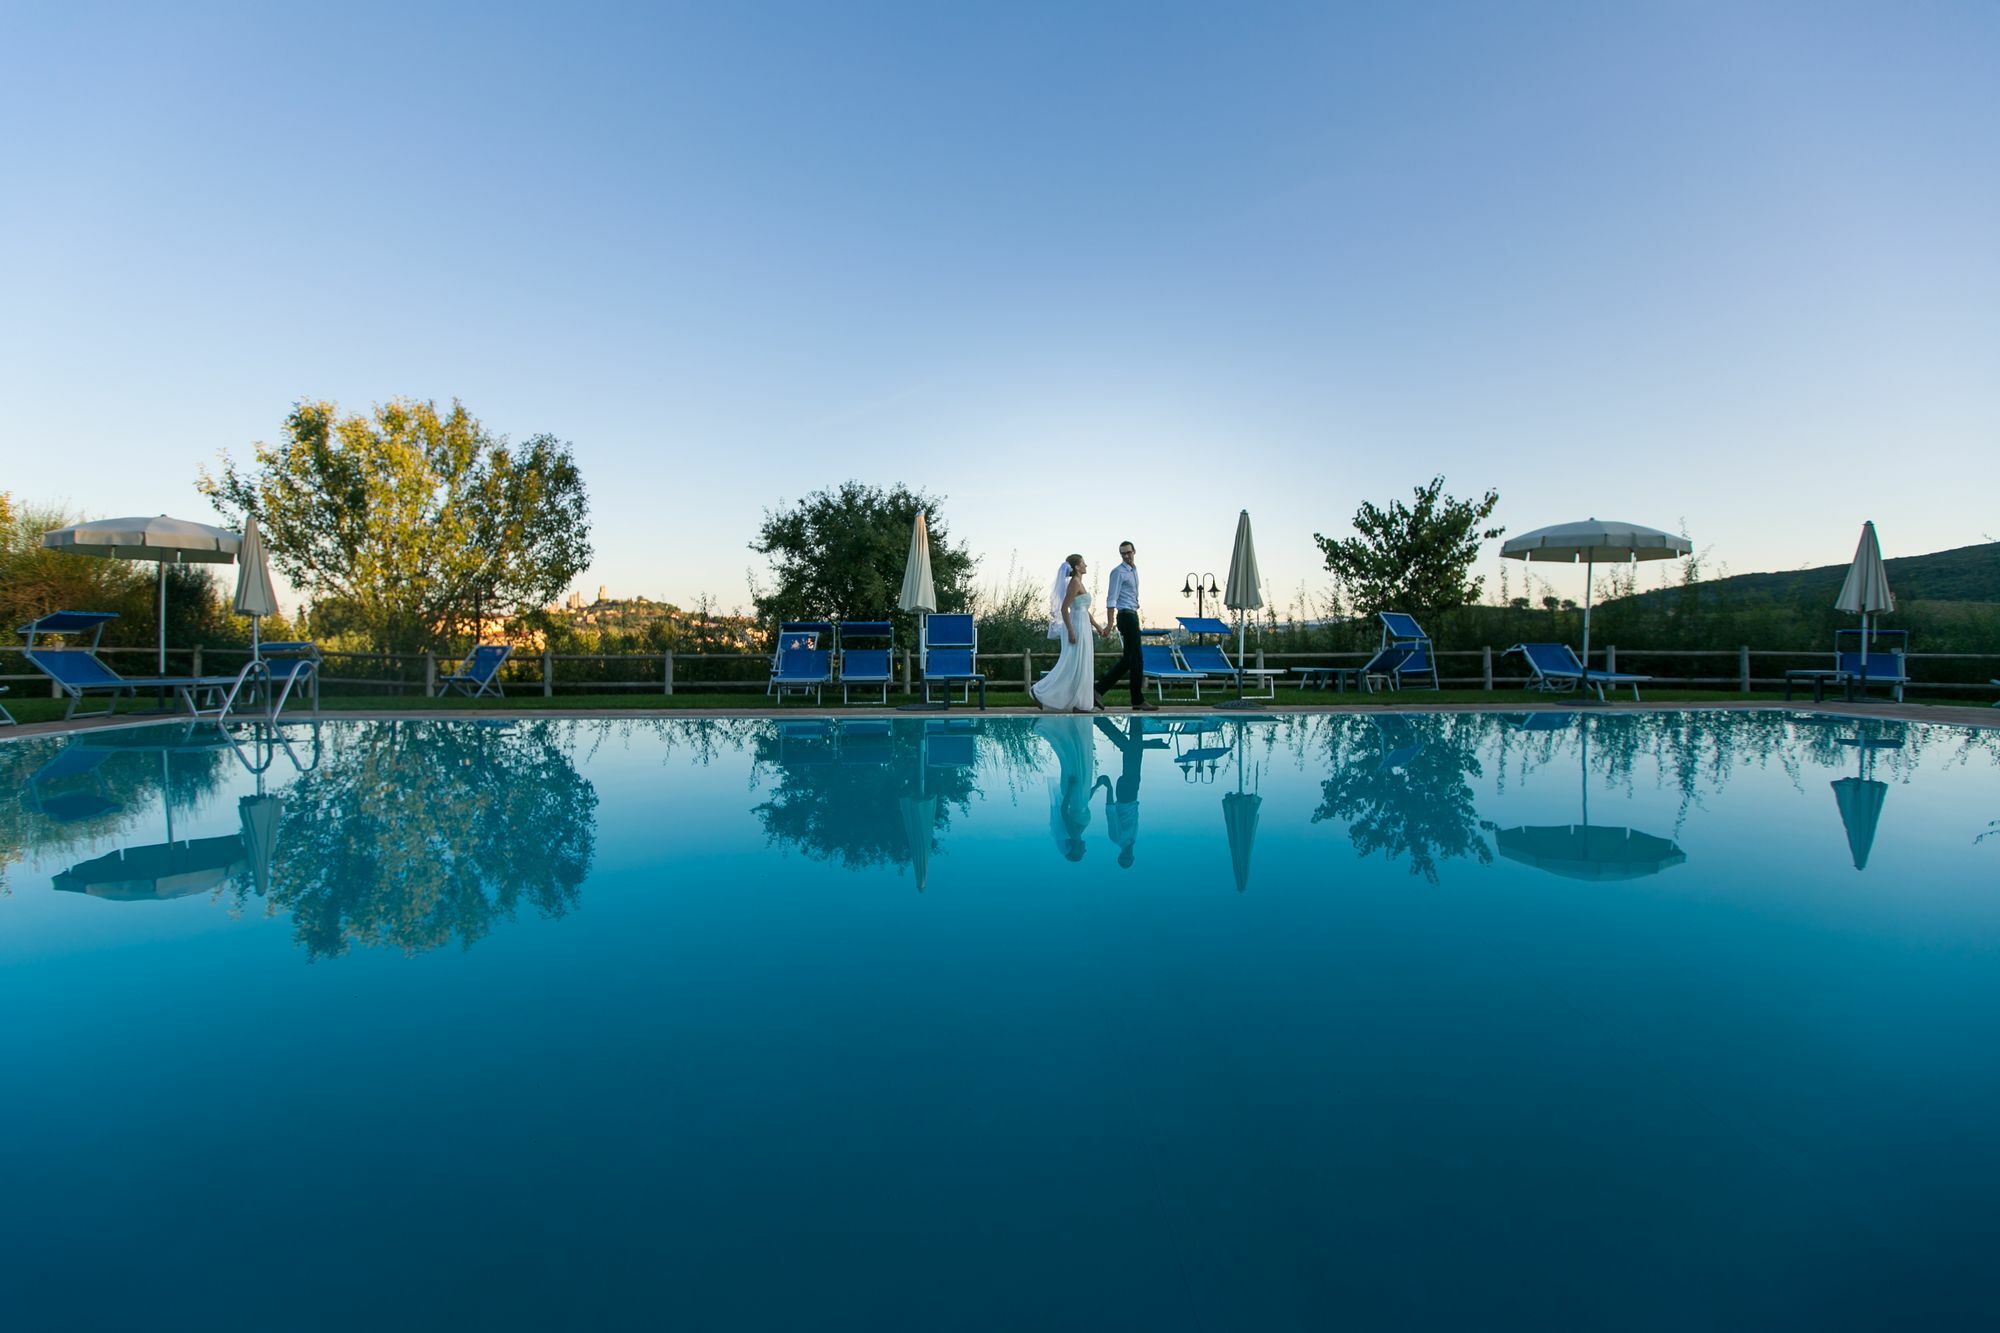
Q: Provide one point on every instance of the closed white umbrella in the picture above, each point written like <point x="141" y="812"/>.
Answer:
<point x="919" y="593"/>
<point x="255" y="596"/>
<point x="1595" y="543"/>
<point x="1243" y="593"/>
<point x="162" y="539"/>
<point x="1866" y="591"/>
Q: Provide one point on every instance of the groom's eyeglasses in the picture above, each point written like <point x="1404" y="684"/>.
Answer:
<point x="1125" y="550"/>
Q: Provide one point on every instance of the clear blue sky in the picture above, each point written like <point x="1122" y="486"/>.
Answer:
<point x="1091" y="271"/>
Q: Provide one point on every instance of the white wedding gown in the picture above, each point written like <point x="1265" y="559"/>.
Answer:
<point x="1070" y="685"/>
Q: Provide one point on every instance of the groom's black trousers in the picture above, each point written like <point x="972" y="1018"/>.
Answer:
<point x="1128" y="662"/>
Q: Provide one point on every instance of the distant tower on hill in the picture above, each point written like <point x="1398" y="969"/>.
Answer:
<point x="600" y="593"/>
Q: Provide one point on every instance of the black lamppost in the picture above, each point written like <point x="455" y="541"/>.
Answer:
<point x="1192" y="586"/>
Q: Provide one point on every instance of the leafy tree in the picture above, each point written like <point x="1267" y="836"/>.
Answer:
<point x="410" y="523"/>
<point x="1416" y="557"/>
<point x="841" y="553"/>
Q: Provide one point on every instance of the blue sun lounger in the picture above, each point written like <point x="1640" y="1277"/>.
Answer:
<point x="1859" y="669"/>
<point x="1386" y="666"/>
<point x="1161" y="668"/>
<point x="479" y="673"/>
<point x="950" y="649"/>
<point x="77" y="671"/>
<point x="1556" y="669"/>
<point x="1212" y="659"/>
<point x="800" y="670"/>
<point x="866" y="666"/>
<point x="1403" y="631"/>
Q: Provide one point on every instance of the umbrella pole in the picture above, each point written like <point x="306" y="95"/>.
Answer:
<point x="1242" y="620"/>
<point x="163" y="617"/>
<point x="1589" y="577"/>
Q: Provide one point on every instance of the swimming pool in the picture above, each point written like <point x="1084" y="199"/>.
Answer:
<point x="1645" y="1020"/>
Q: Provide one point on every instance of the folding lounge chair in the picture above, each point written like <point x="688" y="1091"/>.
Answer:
<point x="1556" y="668"/>
<point x="289" y="665"/>
<point x="802" y="669"/>
<point x="1864" y="665"/>
<point x="6" y="716"/>
<point x="797" y="634"/>
<point x="950" y="648"/>
<point x="480" y="673"/>
<point x="1160" y="668"/>
<point x="1402" y="631"/>
<point x="1386" y="666"/>
<point x="866" y="666"/>
<point x="1213" y="659"/>
<point x="78" y="671"/>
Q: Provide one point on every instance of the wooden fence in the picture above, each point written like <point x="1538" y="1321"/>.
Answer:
<point x="1742" y="670"/>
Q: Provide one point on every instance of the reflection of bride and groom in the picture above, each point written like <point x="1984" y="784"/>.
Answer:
<point x="1071" y="686"/>
<point x="1077" y="780"/>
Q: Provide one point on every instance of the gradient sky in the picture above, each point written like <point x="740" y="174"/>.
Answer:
<point x="1090" y="271"/>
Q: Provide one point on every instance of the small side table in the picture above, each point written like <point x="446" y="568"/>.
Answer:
<point x="1819" y="680"/>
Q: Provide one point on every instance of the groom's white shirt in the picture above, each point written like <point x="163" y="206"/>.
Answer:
<point x="1123" y="591"/>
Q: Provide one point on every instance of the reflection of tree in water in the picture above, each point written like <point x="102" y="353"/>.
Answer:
<point x="115" y="788"/>
<point x="1401" y="784"/>
<point x="412" y="833"/>
<point x="835" y="788"/>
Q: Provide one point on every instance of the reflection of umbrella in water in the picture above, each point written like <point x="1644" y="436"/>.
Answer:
<point x="1240" y="810"/>
<point x="1587" y="851"/>
<point x="1861" y="798"/>
<point x="160" y="870"/>
<point x="946" y="745"/>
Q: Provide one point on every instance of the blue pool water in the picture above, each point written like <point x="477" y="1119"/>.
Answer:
<point x="1642" y="1021"/>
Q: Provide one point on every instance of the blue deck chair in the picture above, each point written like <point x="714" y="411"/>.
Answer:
<point x="479" y="673"/>
<point x="6" y="716"/>
<point x="950" y="653"/>
<point x="800" y="670"/>
<point x="1556" y="669"/>
<point x="1162" y="669"/>
<point x="796" y="634"/>
<point x="77" y="671"/>
<point x="289" y="665"/>
<point x="1859" y="669"/>
<point x="1213" y="658"/>
<point x="866" y="666"/>
<point x="1385" y="667"/>
<point x="1399" y="630"/>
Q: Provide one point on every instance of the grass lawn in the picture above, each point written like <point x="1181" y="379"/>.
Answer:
<point x="49" y="710"/>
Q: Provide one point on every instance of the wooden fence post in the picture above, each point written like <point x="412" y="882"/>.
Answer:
<point x="1486" y="666"/>
<point x="197" y="661"/>
<point x="1027" y="669"/>
<point x="667" y="673"/>
<point x="430" y="674"/>
<point x="1611" y="657"/>
<point x="906" y="671"/>
<point x="548" y="672"/>
<point x="1743" y="668"/>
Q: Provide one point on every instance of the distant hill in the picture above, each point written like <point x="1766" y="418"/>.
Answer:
<point x="1964" y="574"/>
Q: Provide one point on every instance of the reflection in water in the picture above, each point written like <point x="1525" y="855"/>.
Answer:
<point x="1401" y="785"/>
<point x="1121" y="799"/>
<point x="1860" y="798"/>
<point x="866" y="793"/>
<point x="1075" y="778"/>
<point x="1240" y="812"/>
<point x="1586" y="851"/>
<point x="411" y="834"/>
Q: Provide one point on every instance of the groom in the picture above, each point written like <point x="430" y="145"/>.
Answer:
<point x="1122" y="601"/>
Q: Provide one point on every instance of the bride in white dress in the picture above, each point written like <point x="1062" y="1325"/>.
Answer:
<point x="1070" y="685"/>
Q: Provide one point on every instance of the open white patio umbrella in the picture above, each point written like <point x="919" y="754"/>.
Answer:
<point x="1866" y="591"/>
<point x="255" y="596"/>
<point x="1595" y="543"/>
<point x="1243" y="593"/>
<point x="169" y="541"/>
